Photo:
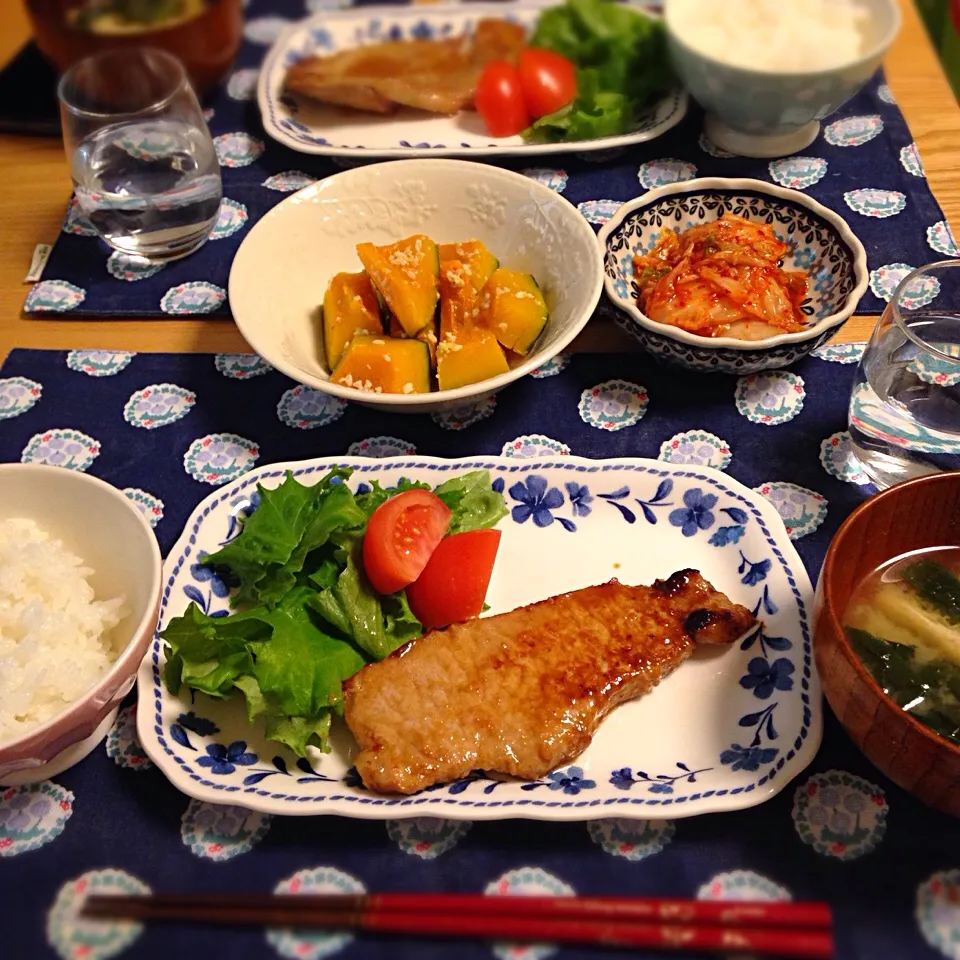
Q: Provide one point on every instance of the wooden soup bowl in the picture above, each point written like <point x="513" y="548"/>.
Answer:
<point x="909" y="516"/>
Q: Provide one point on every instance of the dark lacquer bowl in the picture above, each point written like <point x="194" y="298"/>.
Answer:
<point x="909" y="516"/>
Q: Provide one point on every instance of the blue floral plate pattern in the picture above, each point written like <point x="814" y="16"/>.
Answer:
<point x="726" y="731"/>
<point x="317" y="128"/>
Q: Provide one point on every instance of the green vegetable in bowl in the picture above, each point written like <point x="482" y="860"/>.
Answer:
<point x="622" y="67"/>
<point x="928" y="689"/>
<point x="310" y="618"/>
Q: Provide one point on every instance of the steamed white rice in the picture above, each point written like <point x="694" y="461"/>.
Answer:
<point x="55" y="637"/>
<point x="781" y="36"/>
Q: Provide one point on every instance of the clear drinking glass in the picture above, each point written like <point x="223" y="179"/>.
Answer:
<point x="142" y="160"/>
<point x="905" y="405"/>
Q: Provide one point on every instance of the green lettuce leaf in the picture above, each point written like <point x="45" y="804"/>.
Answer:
<point x="594" y="113"/>
<point x="377" y="624"/>
<point x="291" y="521"/>
<point x="622" y="66"/>
<point x="298" y="733"/>
<point x="369" y="501"/>
<point x="474" y="503"/>
<point x="280" y="659"/>
<point x="209" y="653"/>
<point x="302" y="668"/>
<point x="311" y="617"/>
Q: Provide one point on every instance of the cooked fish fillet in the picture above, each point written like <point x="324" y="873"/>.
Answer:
<point x="524" y="692"/>
<point x="435" y="75"/>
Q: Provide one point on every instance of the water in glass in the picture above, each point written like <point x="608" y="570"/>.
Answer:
<point x="149" y="188"/>
<point x="905" y="404"/>
<point x="141" y="156"/>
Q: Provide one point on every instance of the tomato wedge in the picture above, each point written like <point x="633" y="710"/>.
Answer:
<point x="454" y="582"/>
<point x="547" y="79"/>
<point x="499" y="99"/>
<point x="401" y="536"/>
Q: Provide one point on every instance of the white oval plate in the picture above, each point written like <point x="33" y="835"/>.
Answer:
<point x="327" y="130"/>
<point x="723" y="732"/>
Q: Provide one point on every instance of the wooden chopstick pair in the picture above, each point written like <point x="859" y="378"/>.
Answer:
<point x="798" y="930"/>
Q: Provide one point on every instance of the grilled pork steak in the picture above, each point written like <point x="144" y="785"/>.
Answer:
<point x="524" y="692"/>
<point x="435" y="75"/>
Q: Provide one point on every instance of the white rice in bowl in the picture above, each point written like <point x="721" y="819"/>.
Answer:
<point x="56" y="638"/>
<point x="782" y="36"/>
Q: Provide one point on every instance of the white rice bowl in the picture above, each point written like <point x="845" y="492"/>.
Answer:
<point x="57" y="640"/>
<point x="800" y="35"/>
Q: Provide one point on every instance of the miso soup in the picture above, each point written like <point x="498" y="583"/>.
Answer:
<point x="903" y="621"/>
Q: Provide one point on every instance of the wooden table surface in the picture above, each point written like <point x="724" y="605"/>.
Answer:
<point x="35" y="186"/>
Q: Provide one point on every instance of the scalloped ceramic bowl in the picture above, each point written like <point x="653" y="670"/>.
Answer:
<point x="282" y="268"/>
<point x="821" y="244"/>
<point x="772" y="113"/>
<point x="919" y="513"/>
<point x="98" y="523"/>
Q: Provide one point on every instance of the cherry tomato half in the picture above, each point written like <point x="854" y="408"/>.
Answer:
<point x="548" y="81"/>
<point x="401" y="536"/>
<point x="499" y="99"/>
<point x="455" y="580"/>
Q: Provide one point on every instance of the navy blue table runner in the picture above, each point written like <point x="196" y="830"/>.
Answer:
<point x="863" y="165"/>
<point x="841" y="832"/>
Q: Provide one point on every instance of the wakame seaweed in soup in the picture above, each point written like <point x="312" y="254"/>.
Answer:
<point x="903" y="621"/>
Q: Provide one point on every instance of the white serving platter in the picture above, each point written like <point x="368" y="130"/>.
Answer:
<point x="726" y="731"/>
<point x="327" y="130"/>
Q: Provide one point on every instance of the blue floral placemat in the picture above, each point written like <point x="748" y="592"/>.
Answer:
<point x="864" y="165"/>
<point x="164" y="427"/>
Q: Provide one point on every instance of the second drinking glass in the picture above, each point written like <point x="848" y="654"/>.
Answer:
<point x="143" y="163"/>
<point x="905" y="405"/>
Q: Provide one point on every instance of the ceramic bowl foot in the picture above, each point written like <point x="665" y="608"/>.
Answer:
<point x="765" y="145"/>
<point x="65" y="759"/>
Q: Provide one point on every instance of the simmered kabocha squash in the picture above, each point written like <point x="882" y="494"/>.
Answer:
<point x="479" y="263"/>
<point x="384" y="365"/>
<point x="459" y="300"/>
<point x="405" y="274"/>
<point x="467" y="353"/>
<point x="350" y="307"/>
<point x="454" y="317"/>
<point x="427" y="334"/>
<point x="513" y="309"/>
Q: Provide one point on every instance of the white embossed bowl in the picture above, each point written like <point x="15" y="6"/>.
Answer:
<point x="282" y="268"/>
<point x="99" y="524"/>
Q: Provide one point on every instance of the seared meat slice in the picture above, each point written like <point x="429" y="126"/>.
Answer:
<point x="357" y="77"/>
<point x="439" y="76"/>
<point x="524" y="692"/>
<point x="495" y="39"/>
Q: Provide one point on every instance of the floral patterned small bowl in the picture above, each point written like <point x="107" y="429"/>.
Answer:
<point x="98" y="523"/>
<point x="820" y="243"/>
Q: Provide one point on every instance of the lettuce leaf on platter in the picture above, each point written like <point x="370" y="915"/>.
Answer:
<point x="622" y="67"/>
<point x="309" y="618"/>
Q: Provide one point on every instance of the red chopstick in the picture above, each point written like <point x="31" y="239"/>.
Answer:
<point x="799" y="930"/>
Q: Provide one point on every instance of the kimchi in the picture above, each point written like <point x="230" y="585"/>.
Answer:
<point x="722" y="279"/>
